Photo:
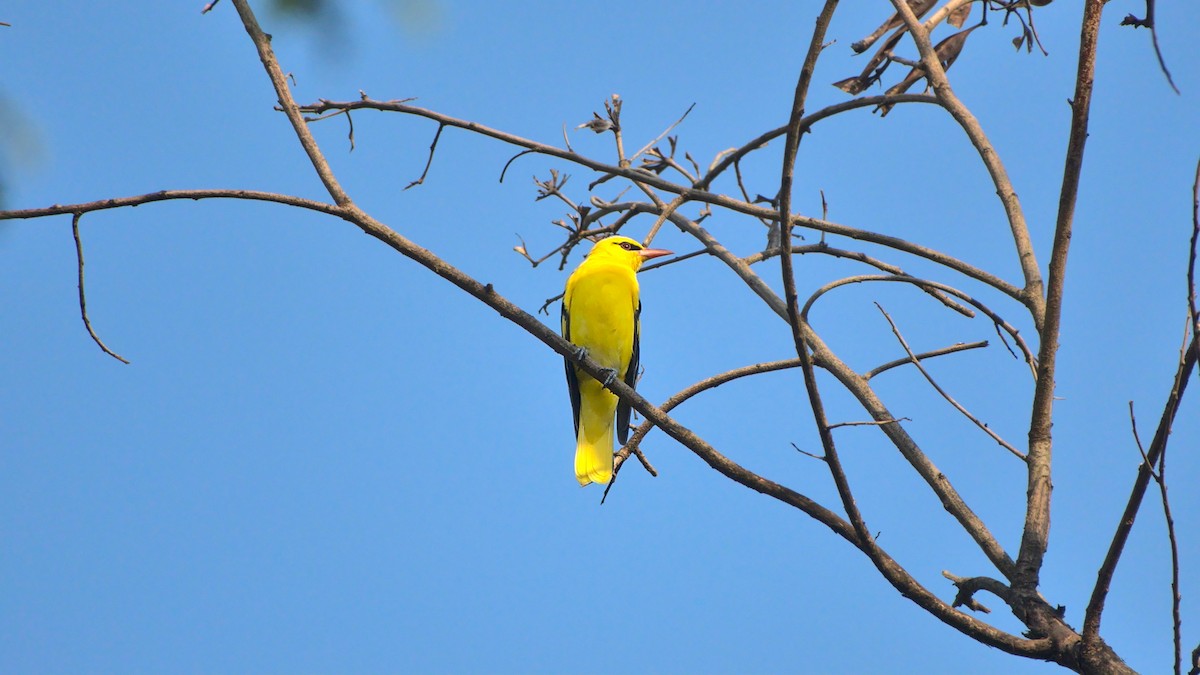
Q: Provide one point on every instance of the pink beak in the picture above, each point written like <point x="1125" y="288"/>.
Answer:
<point x="648" y="253"/>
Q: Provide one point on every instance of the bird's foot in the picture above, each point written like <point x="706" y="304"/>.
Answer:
<point x="610" y="376"/>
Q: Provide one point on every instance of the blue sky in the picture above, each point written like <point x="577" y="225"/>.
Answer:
<point x="324" y="459"/>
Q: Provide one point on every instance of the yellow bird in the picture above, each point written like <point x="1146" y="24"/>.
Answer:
<point x="600" y="314"/>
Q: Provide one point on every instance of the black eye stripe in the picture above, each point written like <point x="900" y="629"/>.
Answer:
<point x="629" y="247"/>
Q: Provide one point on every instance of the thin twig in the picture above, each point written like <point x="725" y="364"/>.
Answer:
<point x="1193" y="309"/>
<point x="83" y="297"/>
<point x="702" y="386"/>
<point x="949" y="399"/>
<point x="671" y="162"/>
<point x="429" y="162"/>
<point x="664" y="133"/>
<point x="1176" y="597"/>
<point x="805" y="452"/>
<point x="823" y="248"/>
<point x="1160" y="477"/>
<point x="613" y="108"/>
<point x="958" y="347"/>
<point x="1095" y="608"/>
<point x="729" y="158"/>
<point x="1149" y="23"/>
<point x="869" y="423"/>
<point x="997" y="320"/>
<point x="1137" y="440"/>
<point x="773" y="226"/>
<point x="510" y="161"/>
<point x="662" y="217"/>
<point x="168" y="195"/>
<point x="637" y="452"/>
<point x="672" y="261"/>
<point x="566" y="139"/>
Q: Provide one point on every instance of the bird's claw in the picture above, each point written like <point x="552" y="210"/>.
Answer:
<point x="610" y="376"/>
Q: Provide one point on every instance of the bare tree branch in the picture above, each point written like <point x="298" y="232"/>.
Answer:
<point x="429" y="162"/>
<point x="664" y="133"/>
<point x="262" y="42"/>
<point x="936" y="74"/>
<point x="1193" y="308"/>
<point x="969" y="586"/>
<point x="1160" y="477"/>
<point x="168" y="195"/>
<point x="1036" y="533"/>
<point x="1148" y="22"/>
<point x="872" y="423"/>
<point x="83" y="297"/>
<point x="761" y="141"/>
<point x="825" y="249"/>
<point x="1187" y="363"/>
<point x="997" y="320"/>
<point x="949" y="399"/>
<point x="1095" y="608"/>
<point x="795" y="321"/>
<point x="958" y="347"/>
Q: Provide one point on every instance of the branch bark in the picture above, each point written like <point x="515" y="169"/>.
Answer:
<point x="1031" y="294"/>
<point x="1036" y="533"/>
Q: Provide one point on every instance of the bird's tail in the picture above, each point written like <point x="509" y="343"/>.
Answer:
<point x="594" y="456"/>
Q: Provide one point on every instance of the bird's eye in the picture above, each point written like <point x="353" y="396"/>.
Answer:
<point x="628" y="246"/>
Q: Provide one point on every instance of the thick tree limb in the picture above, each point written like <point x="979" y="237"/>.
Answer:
<point x="1036" y="533"/>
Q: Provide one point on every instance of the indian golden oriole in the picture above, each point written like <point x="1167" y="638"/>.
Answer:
<point x="600" y="314"/>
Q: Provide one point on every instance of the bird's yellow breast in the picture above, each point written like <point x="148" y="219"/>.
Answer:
<point x="601" y="301"/>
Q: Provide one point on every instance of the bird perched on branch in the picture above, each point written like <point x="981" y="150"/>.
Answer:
<point x="600" y="315"/>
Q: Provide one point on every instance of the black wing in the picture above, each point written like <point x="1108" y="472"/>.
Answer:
<point x="630" y="377"/>
<point x="572" y="376"/>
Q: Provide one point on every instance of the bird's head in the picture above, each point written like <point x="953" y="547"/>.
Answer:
<point x="624" y="250"/>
